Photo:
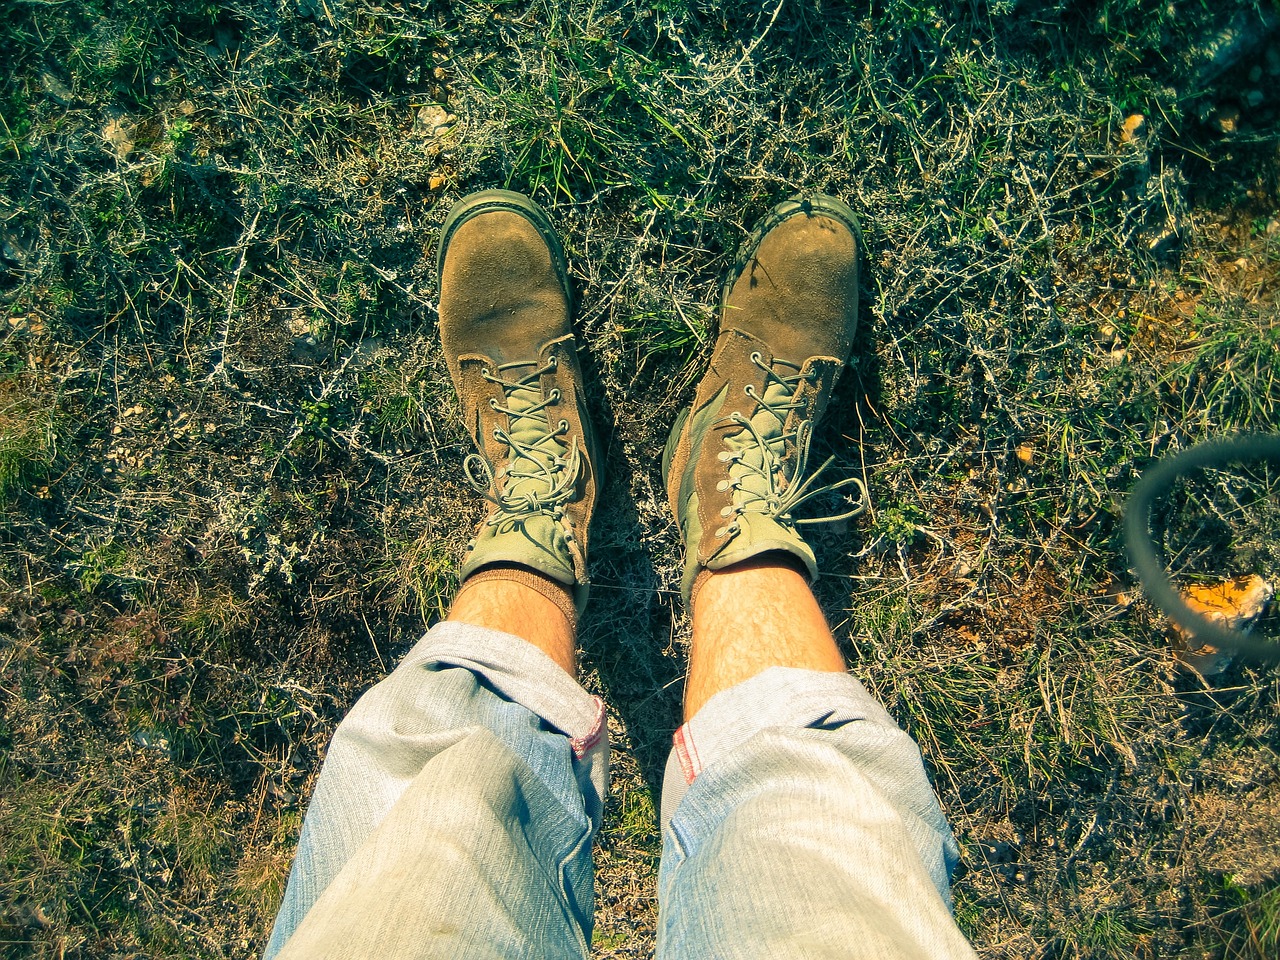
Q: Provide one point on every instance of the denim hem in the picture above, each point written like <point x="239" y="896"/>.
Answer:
<point x="521" y="673"/>
<point x="776" y="697"/>
<point x="474" y="730"/>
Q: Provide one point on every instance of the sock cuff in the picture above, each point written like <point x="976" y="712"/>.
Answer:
<point x="703" y="576"/>
<point x="553" y="590"/>
<point x="780" y="557"/>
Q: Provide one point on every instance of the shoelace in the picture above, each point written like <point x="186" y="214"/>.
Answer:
<point x="542" y="474"/>
<point x="757" y="452"/>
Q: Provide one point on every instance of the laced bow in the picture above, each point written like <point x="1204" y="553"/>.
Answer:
<point x="542" y="473"/>
<point x="760" y="484"/>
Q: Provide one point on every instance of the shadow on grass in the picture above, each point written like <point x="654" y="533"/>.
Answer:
<point x="627" y="630"/>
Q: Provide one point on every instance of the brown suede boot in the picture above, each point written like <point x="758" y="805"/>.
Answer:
<point x="505" y="324"/>
<point x="736" y="462"/>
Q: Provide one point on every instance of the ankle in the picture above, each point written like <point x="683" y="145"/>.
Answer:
<point x="778" y="561"/>
<point x="750" y="617"/>
<point x="524" y="603"/>
<point x="553" y="590"/>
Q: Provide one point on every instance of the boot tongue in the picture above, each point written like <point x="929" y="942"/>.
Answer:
<point x="760" y="483"/>
<point x="750" y="473"/>
<point x="525" y="529"/>
<point x="534" y="448"/>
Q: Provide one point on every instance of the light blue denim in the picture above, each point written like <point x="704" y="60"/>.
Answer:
<point x="454" y="814"/>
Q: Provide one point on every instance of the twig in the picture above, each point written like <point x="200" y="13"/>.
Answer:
<point x="246" y="238"/>
<point x="746" y="54"/>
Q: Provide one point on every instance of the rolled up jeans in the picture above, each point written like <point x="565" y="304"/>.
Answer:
<point x="456" y="807"/>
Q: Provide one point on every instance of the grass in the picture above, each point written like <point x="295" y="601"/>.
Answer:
<point x="26" y="435"/>
<point x="230" y="463"/>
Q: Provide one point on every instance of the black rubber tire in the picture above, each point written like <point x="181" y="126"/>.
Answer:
<point x="1146" y="559"/>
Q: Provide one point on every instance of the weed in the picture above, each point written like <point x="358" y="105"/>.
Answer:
<point x="177" y="133"/>
<point x="261" y="873"/>
<point x="898" y="525"/>
<point x="667" y="334"/>
<point x="108" y="562"/>
<point x="1108" y="933"/>
<point x="403" y="398"/>
<point x="1254" y="924"/>
<point x="26" y="436"/>
<point x="418" y="578"/>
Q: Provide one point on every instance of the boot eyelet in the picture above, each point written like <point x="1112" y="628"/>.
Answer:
<point x="493" y="404"/>
<point x="722" y="486"/>
<point x="564" y="426"/>
<point x="555" y="395"/>
<point x="726" y="511"/>
<point x="724" y="456"/>
<point x="721" y="532"/>
<point x="756" y="356"/>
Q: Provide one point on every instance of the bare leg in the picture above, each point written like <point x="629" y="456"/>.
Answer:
<point x="749" y="617"/>
<point x="516" y="609"/>
<point x="734" y="468"/>
<point x="507" y="334"/>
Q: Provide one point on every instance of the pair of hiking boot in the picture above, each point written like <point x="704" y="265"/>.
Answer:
<point x="736" y="465"/>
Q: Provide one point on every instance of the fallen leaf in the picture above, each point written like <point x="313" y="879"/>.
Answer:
<point x="1133" y="126"/>
<point x="1230" y="603"/>
<point x="119" y="137"/>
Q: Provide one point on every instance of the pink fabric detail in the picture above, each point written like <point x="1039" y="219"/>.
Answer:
<point x="581" y="745"/>
<point x="687" y="754"/>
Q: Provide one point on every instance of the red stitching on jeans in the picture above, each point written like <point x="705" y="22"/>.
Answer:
<point x="687" y="754"/>
<point x="581" y="745"/>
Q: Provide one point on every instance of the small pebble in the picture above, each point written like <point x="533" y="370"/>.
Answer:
<point x="1226" y="119"/>
<point x="433" y="120"/>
